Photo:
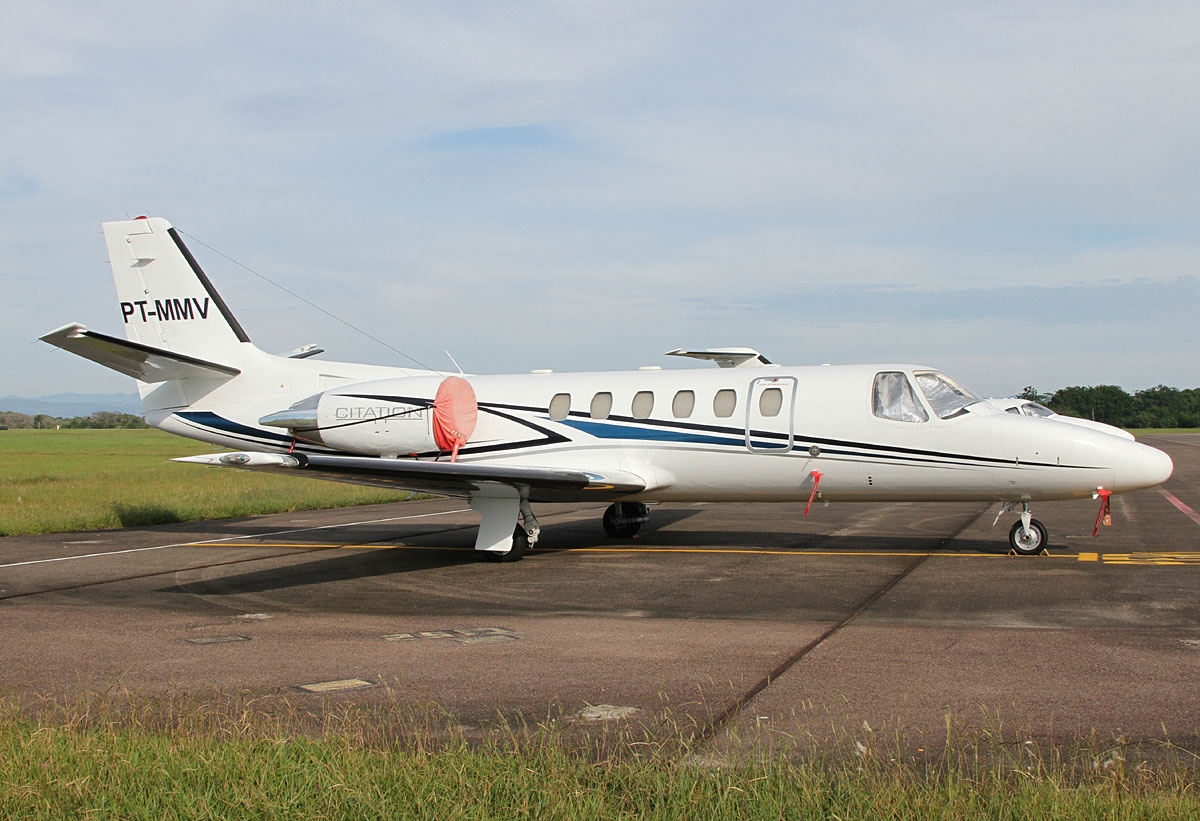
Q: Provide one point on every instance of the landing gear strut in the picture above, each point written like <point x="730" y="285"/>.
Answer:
<point x="1028" y="536"/>
<point x="623" y="520"/>
<point x="525" y="536"/>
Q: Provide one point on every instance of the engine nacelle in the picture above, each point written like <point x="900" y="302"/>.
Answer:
<point x="394" y="417"/>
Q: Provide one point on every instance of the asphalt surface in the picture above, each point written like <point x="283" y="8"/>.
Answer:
<point x="746" y="624"/>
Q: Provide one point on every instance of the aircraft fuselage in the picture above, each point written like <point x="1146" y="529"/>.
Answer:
<point x="698" y="435"/>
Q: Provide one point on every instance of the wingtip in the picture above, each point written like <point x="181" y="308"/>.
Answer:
<point x="248" y="459"/>
<point x="68" y="331"/>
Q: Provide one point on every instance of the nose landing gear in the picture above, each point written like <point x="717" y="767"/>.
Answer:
<point x="1028" y="540"/>
<point x="1028" y="536"/>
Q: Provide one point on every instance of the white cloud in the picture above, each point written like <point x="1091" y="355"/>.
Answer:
<point x="588" y="184"/>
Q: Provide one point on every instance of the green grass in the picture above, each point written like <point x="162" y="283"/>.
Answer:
<point x="66" y="480"/>
<point x="88" y="761"/>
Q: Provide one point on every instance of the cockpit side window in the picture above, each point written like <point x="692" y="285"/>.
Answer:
<point x="1036" y="409"/>
<point x="892" y="398"/>
<point x="946" y="397"/>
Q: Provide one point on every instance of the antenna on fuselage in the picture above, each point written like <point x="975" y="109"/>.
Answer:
<point x="312" y="304"/>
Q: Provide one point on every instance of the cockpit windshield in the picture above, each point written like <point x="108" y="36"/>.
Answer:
<point x="1036" y="409"/>
<point x="946" y="397"/>
<point x="893" y="398"/>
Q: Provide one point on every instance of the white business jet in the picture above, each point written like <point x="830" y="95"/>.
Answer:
<point x="745" y="431"/>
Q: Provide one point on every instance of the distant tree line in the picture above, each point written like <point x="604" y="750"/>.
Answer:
<point x="1159" y="407"/>
<point x="101" y="419"/>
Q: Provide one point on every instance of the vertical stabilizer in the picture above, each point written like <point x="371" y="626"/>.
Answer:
<point x="166" y="300"/>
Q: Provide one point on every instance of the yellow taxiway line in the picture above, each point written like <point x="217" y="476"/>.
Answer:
<point x="1148" y="558"/>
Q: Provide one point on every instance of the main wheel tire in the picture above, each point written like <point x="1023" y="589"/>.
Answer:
<point x="520" y="547"/>
<point x="1031" y="543"/>
<point x="617" y="525"/>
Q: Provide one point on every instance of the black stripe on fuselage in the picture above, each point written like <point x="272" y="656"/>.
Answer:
<point x="548" y="437"/>
<point x="872" y="451"/>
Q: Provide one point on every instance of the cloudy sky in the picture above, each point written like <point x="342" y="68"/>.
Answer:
<point x="1008" y="191"/>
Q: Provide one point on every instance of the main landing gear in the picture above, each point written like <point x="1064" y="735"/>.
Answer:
<point x="524" y="536"/>
<point x="520" y="546"/>
<point x="623" y="520"/>
<point x="1028" y="536"/>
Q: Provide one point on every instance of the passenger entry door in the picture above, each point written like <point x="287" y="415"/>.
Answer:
<point x="771" y="414"/>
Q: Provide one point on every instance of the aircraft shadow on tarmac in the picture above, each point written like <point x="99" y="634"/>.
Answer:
<point x="453" y="547"/>
<point x="361" y="534"/>
<point x="349" y="565"/>
<point x="800" y="543"/>
<point x="380" y="561"/>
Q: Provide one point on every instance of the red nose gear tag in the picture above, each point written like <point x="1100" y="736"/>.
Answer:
<point x="1105" y="514"/>
<point x="816" y="474"/>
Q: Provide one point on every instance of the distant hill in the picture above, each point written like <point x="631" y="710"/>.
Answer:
<point x="68" y="405"/>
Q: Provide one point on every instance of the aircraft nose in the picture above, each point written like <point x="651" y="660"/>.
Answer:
<point x="1139" y="466"/>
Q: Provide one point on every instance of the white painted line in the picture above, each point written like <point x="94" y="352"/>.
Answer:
<point x="334" y="686"/>
<point x="193" y="543"/>
<point x="216" y="639"/>
<point x="1183" y="508"/>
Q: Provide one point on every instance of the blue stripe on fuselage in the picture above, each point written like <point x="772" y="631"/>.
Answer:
<point x="215" y="421"/>
<point x="604" y="430"/>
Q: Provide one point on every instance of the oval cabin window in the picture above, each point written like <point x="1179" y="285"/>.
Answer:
<point x="683" y="404"/>
<point x="601" y="405"/>
<point x="560" y="406"/>
<point x="643" y="404"/>
<point x="770" y="403"/>
<point x="725" y="403"/>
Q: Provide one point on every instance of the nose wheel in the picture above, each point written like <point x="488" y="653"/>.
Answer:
<point x="1028" y="536"/>
<point x="1027" y="541"/>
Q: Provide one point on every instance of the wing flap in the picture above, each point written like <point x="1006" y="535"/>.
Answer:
<point x="143" y="362"/>
<point x="442" y="478"/>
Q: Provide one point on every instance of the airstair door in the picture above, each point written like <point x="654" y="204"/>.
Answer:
<point x="771" y="414"/>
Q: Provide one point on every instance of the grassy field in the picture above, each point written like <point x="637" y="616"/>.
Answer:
<point x="88" y="762"/>
<point x="63" y="480"/>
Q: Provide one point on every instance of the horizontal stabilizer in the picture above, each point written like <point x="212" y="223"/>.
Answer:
<point x="726" y="357"/>
<point x="142" y="362"/>
<point x="444" y="478"/>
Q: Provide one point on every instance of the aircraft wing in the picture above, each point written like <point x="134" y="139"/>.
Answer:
<point x="442" y="478"/>
<point x="143" y="362"/>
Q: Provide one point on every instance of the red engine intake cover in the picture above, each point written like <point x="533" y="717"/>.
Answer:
<point x="455" y="413"/>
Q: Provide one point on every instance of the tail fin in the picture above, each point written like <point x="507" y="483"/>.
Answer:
<point x="166" y="300"/>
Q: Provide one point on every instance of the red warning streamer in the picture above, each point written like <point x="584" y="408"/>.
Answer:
<point x="1105" y="515"/>
<point x="816" y="474"/>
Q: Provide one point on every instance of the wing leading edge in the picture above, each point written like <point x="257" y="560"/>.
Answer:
<point x="442" y="478"/>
